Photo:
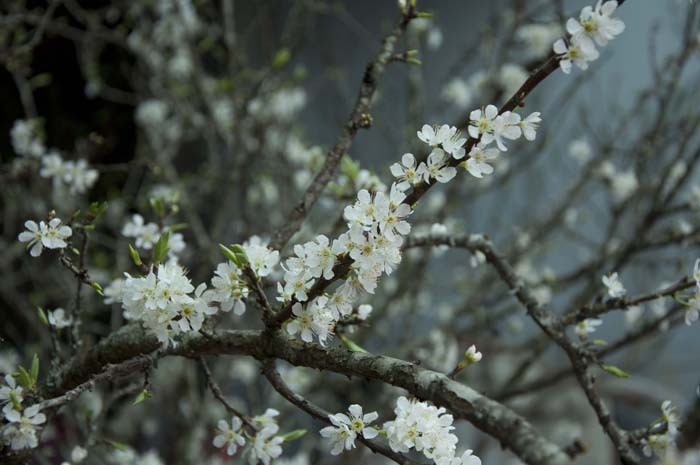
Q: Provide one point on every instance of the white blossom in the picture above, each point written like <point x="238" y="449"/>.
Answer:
<point x="406" y="172"/>
<point x="467" y="458"/>
<point x="482" y="121"/>
<point x="320" y="259"/>
<point x="363" y="311"/>
<point x="52" y="236"/>
<point x="624" y="184"/>
<point x="25" y="138"/>
<point x="266" y="446"/>
<point x="161" y="301"/>
<point x="78" y="454"/>
<point x="312" y="320"/>
<point x="346" y="428"/>
<point x="538" y="37"/>
<point x="458" y="92"/>
<point x="587" y="326"/>
<point x="262" y="258"/>
<point x="580" y="150"/>
<point x="437" y="167"/>
<point x="268" y="420"/>
<point x="229" y="288"/>
<point x="58" y="319"/>
<point x="579" y="54"/>
<point x="22" y="428"/>
<point x="671" y="417"/>
<point x="472" y="355"/>
<point x="341" y="438"/>
<point x="434" y="136"/>
<point x="596" y="24"/>
<point x="424" y="427"/>
<point x="530" y="124"/>
<point x="229" y="436"/>
<point x="454" y="144"/>
<point x="614" y="285"/>
<point x="478" y="161"/>
<point x="692" y="312"/>
<point x="146" y="234"/>
<point x="113" y="291"/>
<point x="11" y="391"/>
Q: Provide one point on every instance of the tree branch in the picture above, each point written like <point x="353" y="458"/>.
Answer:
<point x="317" y="412"/>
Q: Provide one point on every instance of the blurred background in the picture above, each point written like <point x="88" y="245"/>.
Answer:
<point x="224" y="111"/>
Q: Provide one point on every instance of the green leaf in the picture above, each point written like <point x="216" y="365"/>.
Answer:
<point x="240" y="254"/>
<point x="35" y="369"/>
<point x="158" y="206"/>
<point x="599" y="342"/>
<point x="351" y="345"/>
<point x="615" y="371"/>
<point x="177" y="227"/>
<point x="24" y="378"/>
<point x="350" y="167"/>
<point x="281" y="58"/>
<point x="97" y="287"/>
<point x="143" y="395"/>
<point x="40" y="80"/>
<point x="135" y="255"/>
<point x="230" y="255"/>
<point x="96" y="209"/>
<point x="293" y="435"/>
<point x="160" y="251"/>
<point x="42" y="315"/>
<point x="117" y="445"/>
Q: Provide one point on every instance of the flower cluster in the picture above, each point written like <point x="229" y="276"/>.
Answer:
<point x="487" y="126"/>
<point x="52" y="235"/>
<point x="424" y="427"/>
<point x="22" y="421"/>
<point x="594" y="26"/>
<point x="491" y="126"/>
<point x="74" y="175"/>
<point x="165" y="303"/>
<point x="266" y="444"/>
<point x="27" y="141"/>
<point x="418" y="425"/>
<point x="376" y="224"/>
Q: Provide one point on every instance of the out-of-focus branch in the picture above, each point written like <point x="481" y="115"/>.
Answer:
<point x="359" y="118"/>
<point x="552" y="326"/>
<point x="216" y="391"/>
